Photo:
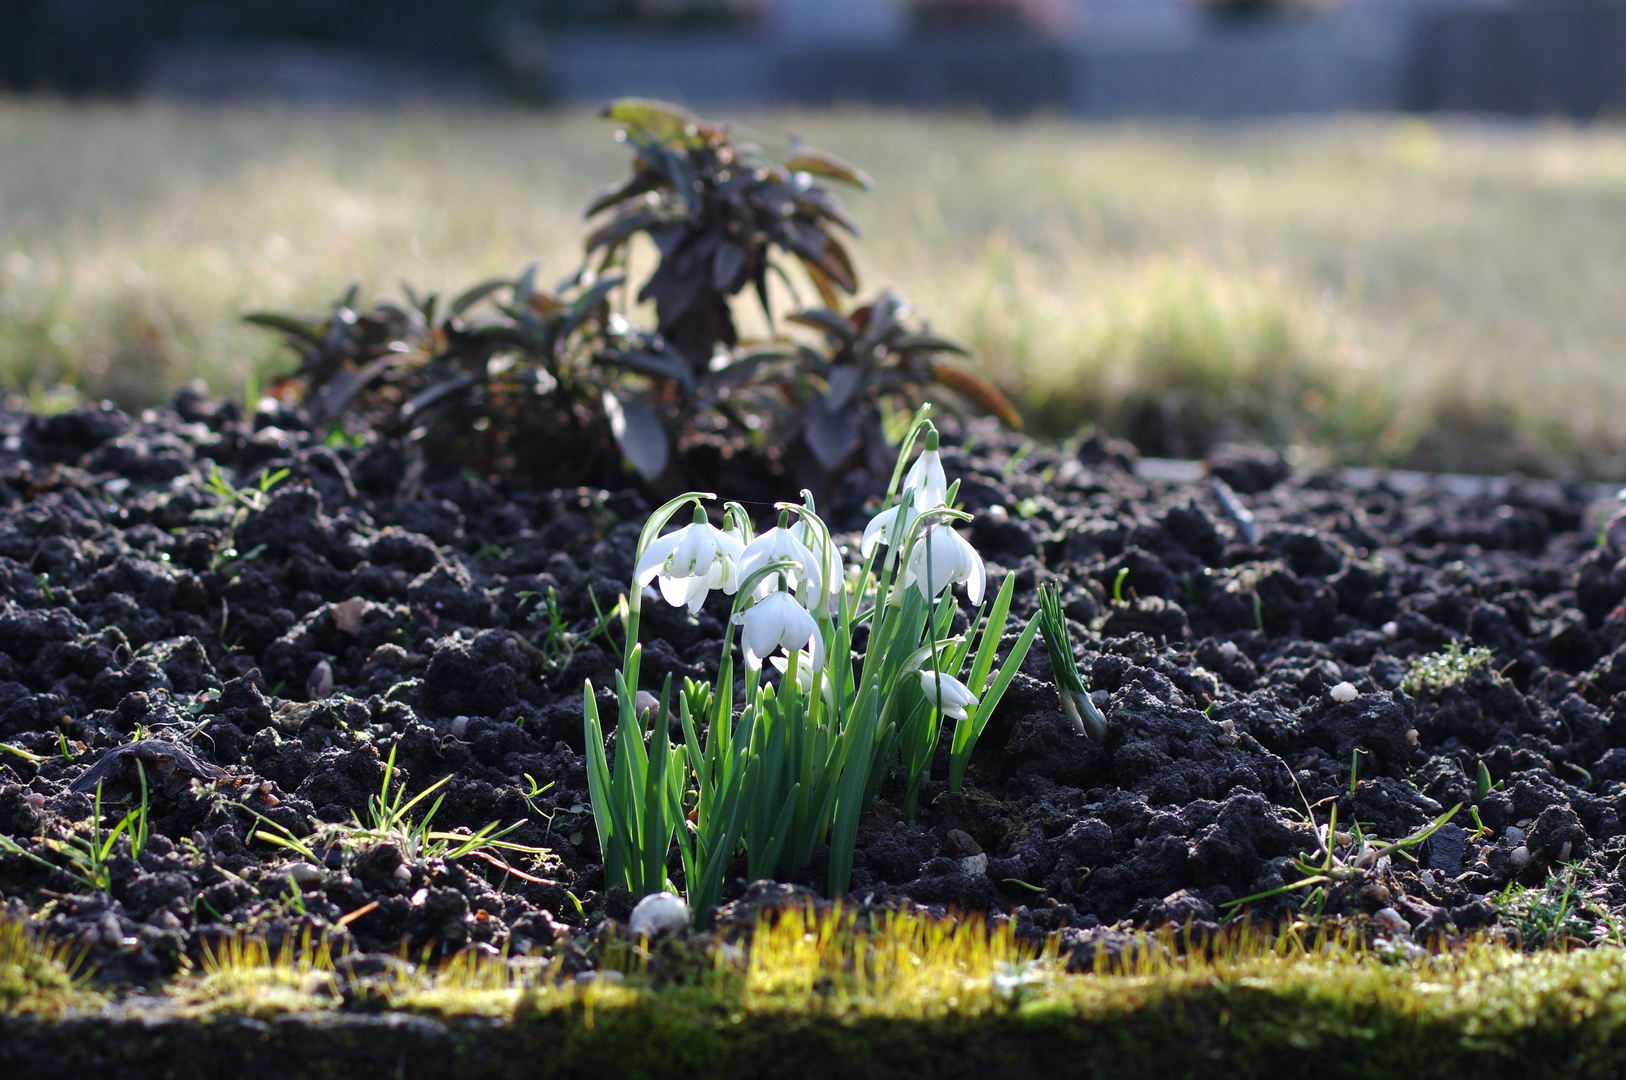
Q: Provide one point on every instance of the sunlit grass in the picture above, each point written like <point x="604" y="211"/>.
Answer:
<point x="1398" y="290"/>
<point x="842" y="995"/>
<point x="39" y="978"/>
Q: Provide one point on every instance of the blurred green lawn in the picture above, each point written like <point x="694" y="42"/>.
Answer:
<point x="1446" y="295"/>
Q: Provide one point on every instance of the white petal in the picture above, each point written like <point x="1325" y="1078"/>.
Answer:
<point x="762" y="627"/>
<point x="927" y="481"/>
<point x="876" y="531"/>
<point x="654" y="557"/>
<point x="699" y="588"/>
<point x="976" y="575"/>
<point x="674" y="590"/>
<point x="694" y="552"/>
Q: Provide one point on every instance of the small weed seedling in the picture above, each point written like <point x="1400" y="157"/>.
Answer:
<point x="1451" y="666"/>
<point x="1558" y="913"/>
<point x="390" y="822"/>
<point x="87" y="858"/>
<point x="1332" y="867"/>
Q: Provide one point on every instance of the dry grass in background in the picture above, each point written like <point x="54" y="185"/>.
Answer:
<point x="1445" y="295"/>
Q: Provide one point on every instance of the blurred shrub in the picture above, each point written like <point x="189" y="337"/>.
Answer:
<point x="506" y="374"/>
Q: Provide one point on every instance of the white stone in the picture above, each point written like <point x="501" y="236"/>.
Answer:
<point x="658" y="913"/>
<point x="1392" y="921"/>
<point x="1344" y="691"/>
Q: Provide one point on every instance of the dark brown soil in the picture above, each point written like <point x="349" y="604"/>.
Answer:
<point x="124" y="620"/>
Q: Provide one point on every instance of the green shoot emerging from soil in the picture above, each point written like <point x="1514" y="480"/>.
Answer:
<point x="1075" y="699"/>
<point x="1449" y="667"/>
<point x="87" y="858"/>
<point x="803" y="759"/>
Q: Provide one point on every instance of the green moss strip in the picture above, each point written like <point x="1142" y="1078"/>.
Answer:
<point x="905" y="999"/>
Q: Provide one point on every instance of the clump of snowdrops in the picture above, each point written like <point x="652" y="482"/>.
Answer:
<point x="781" y="769"/>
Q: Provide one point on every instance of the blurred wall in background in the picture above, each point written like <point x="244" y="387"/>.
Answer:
<point x="1209" y="58"/>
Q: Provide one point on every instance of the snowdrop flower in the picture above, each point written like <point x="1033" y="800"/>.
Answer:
<point x="781" y="543"/>
<point x="779" y="622"/>
<point x="950" y="558"/>
<point x="925" y="487"/>
<point x="689" y="563"/>
<point x="955" y="697"/>
<point x="658" y="913"/>
<point x="812" y="533"/>
<point x="889" y="526"/>
<point x="926" y="478"/>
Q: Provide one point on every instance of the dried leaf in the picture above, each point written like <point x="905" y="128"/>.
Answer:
<point x="808" y="160"/>
<point x="349" y="614"/>
<point x="979" y="392"/>
<point x="658" y="120"/>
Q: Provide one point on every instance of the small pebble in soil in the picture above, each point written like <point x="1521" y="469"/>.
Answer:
<point x="1514" y="835"/>
<point x="1391" y="630"/>
<point x="974" y="864"/>
<point x="305" y="873"/>
<point x="658" y="913"/>
<point x="1376" y="891"/>
<point x="962" y="843"/>
<point x="460" y="724"/>
<point x="320" y="684"/>
<point x="403" y="872"/>
<point x="1411" y="737"/>
<point x="1344" y="691"/>
<point x="1392" y="921"/>
<point x="1519" y="857"/>
<point x="583" y="978"/>
<point x="1229" y="652"/>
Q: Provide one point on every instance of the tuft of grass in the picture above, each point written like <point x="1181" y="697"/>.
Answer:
<point x="1451" y="666"/>
<point x="38" y="978"/>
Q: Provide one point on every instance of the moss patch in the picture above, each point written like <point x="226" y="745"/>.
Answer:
<point x="901" y="996"/>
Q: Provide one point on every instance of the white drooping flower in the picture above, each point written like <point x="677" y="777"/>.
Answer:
<point x="689" y="563"/>
<point x="925" y="487"/>
<point x="804" y="575"/>
<point x="941" y="558"/>
<point x="955" y="697"/>
<point x="658" y="913"/>
<point x="889" y="526"/>
<point x="811" y="532"/>
<point x="779" y="622"/>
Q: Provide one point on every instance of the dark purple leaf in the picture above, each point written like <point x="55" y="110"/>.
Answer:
<point x="830" y="435"/>
<point x="638" y="433"/>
